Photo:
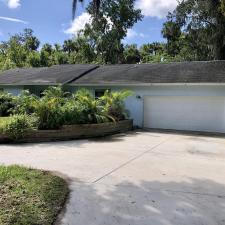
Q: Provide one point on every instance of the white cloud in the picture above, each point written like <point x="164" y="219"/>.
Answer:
<point x="133" y="34"/>
<point x="78" y="23"/>
<point x="142" y="35"/>
<point x="13" y="4"/>
<point x="156" y="8"/>
<point x="13" y="20"/>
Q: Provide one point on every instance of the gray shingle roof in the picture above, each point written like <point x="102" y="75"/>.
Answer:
<point x="59" y="74"/>
<point x="16" y="76"/>
<point x="181" y="72"/>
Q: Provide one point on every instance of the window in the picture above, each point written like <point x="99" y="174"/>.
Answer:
<point x="100" y="92"/>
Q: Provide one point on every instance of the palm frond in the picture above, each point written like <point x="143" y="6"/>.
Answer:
<point x="74" y="7"/>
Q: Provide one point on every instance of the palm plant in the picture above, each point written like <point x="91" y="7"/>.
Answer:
<point x="49" y="108"/>
<point x="114" y="105"/>
<point x="95" y="2"/>
<point x="6" y="104"/>
<point x="92" y="109"/>
<point x="25" y="103"/>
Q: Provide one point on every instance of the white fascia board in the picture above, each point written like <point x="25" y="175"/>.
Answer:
<point x="150" y="84"/>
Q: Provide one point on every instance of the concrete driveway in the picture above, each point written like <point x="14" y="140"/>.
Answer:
<point x="142" y="178"/>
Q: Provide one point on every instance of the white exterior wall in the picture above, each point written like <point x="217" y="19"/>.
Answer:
<point x="14" y="90"/>
<point x="136" y="105"/>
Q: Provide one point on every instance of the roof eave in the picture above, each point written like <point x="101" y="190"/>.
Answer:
<point x="149" y="84"/>
<point x="32" y="84"/>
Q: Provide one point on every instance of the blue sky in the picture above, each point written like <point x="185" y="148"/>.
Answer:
<point x="51" y="19"/>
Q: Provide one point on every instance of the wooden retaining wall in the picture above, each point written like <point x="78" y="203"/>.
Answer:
<point x="4" y="139"/>
<point x="70" y="132"/>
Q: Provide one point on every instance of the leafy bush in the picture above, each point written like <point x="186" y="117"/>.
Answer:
<point x="49" y="110"/>
<point x="3" y="120"/>
<point x="18" y="125"/>
<point x="73" y="113"/>
<point x="56" y="93"/>
<point x="92" y="109"/>
<point x="25" y="103"/>
<point x="6" y="104"/>
<point x="49" y="114"/>
<point x="56" y="107"/>
<point x="114" y="105"/>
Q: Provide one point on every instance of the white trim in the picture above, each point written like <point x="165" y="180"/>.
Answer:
<point x="119" y="85"/>
<point x="149" y="84"/>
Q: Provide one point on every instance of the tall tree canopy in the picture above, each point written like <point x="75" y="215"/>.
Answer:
<point x="96" y="4"/>
<point x="194" y="31"/>
<point x="18" y="49"/>
<point x="22" y="50"/>
<point x="197" y="27"/>
<point x="109" y="28"/>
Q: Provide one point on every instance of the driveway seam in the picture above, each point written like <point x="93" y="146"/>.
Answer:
<point x="130" y="161"/>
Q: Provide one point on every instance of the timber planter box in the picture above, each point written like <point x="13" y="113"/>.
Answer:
<point x="4" y="138"/>
<point x="71" y="132"/>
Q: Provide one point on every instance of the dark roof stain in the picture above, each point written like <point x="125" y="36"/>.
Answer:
<point x="182" y="72"/>
<point x="55" y="75"/>
<point x="81" y="74"/>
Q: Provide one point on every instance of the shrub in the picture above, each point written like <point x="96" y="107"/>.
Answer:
<point x="18" y="125"/>
<point x="114" y="105"/>
<point x="49" y="108"/>
<point x="56" y="108"/>
<point x="92" y="109"/>
<point x="6" y="104"/>
<point x="73" y="113"/>
<point x="49" y="113"/>
<point x="25" y="103"/>
<point x="56" y="93"/>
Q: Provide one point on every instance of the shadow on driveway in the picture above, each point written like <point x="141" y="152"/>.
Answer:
<point x="196" y="202"/>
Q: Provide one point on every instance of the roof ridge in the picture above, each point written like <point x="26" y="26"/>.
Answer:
<point x="81" y="75"/>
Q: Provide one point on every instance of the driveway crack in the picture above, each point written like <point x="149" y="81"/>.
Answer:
<point x="130" y="161"/>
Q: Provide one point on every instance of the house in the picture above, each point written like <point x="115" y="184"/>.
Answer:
<point x="180" y="96"/>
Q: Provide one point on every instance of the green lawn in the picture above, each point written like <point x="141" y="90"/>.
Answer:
<point x="30" y="197"/>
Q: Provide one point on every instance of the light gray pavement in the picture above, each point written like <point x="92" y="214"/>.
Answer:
<point x="142" y="178"/>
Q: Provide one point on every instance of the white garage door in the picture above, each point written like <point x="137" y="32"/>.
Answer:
<point x="185" y="113"/>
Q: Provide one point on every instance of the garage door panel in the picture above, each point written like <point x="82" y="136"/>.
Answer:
<point x="185" y="113"/>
